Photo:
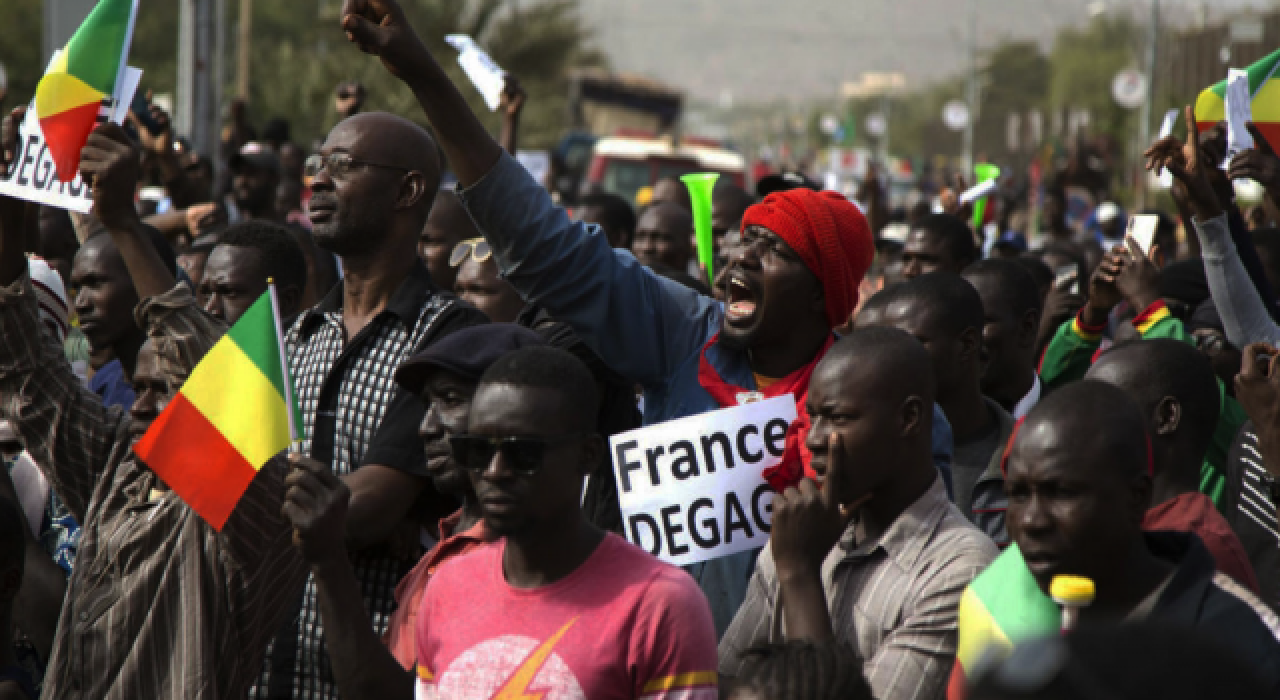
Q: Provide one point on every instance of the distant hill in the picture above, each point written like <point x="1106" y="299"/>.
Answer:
<point x="760" y="50"/>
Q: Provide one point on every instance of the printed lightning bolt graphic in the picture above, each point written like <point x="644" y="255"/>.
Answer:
<point x="517" y="686"/>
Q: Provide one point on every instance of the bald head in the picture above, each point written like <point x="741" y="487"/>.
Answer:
<point x="898" y="364"/>
<point x="1173" y="385"/>
<point x="669" y="189"/>
<point x="1093" y="422"/>
<point x="663" y="235"/>
<point x="388" y="139"/>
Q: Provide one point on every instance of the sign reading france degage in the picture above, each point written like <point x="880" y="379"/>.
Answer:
<point x="691" y="490"/>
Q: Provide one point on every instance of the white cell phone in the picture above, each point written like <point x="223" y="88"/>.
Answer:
<point x="1067" y="274"/>
<point x="1142" y="228"/>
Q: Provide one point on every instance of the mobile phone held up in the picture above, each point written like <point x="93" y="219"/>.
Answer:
<point x="1142" y="229"/>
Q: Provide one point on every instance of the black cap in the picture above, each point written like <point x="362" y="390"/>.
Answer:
<point x="781" y="182"/>
<point x="255" y="155"/>
<point x="466" y="353"/>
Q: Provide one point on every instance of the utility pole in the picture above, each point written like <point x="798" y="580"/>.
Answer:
<point x="972" y="90"/>
<point x="242" y="55"/>
<point x="1144" y="127"/>
<point x="199" y="73"/>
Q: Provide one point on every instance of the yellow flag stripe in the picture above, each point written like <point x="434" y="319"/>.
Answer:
<point x="58" y="92"/>
<point x="978" y="630"/>
<point x="238" y="399"/>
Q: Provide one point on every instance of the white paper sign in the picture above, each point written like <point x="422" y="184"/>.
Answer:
<point x="488" y="78"/>
<point x="33" y="177"/>
<point x="1239" y="111"/>
<point x="691" y="489"/>
<point x="538" y="163"/>
<point x="979" y="191"/>
<point x="1166" y="130"/>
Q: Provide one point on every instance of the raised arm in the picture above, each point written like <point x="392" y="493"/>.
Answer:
<point x="640" y="324"/>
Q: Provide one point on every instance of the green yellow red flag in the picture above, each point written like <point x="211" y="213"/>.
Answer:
<point x="1002" y="606"/>
<point x="81" y="76"/>
<point x="234" y="413"/>
<point x="1264" y="86"/>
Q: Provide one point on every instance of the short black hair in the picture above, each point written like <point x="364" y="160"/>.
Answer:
<point x="543" y="367"/>
<point x="954" y="233"/>
<point x="282" y="257"/>
<point x="803" y="669"/>
<point x="1016" y="287"/>
<point x="947" y="297"/>
<point x="1039" y="271"/>
<point x="1101" y="418"/>
<point x="898" y="358"/>
<point x="13" y="537"/>
<point x="1166" y="367"/>
<point x="158" y="241"/>
<point x="615" y="212"/>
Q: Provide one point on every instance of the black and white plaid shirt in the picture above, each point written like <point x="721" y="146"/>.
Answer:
<point x="1251" y="512"/>
<point x="353" y="414"/>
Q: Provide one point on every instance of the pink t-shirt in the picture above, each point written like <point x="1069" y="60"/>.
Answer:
<point x="623" y="625"/>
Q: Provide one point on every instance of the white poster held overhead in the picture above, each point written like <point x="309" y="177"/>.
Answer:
<point x="33" y="177"/>
<point x="1239" y="112"/>
<point x="691" y="489"/>
<point x="488" y="78"/>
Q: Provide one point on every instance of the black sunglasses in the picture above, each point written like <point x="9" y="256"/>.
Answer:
<point x="524" y="454"/>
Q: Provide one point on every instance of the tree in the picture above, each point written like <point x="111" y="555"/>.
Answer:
<point x="1085" y="61"/>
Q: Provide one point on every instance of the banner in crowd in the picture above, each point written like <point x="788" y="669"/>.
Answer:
<point x="691" y="489"/>
<point x="1264" y="89"/>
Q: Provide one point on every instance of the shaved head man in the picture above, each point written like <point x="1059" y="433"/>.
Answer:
<point x="374" y="182"/>
<point x="1079" y="487"/>
<point x="871" y="405"/>
<point x="938" y="242"/>
<point x="1174" y="386"/>
<point x="1011" y="307"/>
<point x="663" y="237"/>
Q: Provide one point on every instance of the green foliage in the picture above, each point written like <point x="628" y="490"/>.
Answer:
<point x="299" y="55"/>
<point x="1085" y="61"/>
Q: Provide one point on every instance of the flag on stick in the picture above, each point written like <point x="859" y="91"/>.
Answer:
<point x="81" y="76"/>
<point x="234" y="413"/>
<point x="1264" y="86"/>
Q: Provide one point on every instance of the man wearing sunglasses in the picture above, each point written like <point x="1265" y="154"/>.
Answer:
<point x="804" y="255"/>
<point x="373" y="184"/>
<point x="444" y="376"/>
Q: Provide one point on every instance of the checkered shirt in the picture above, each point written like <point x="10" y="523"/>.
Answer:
<point x="343" y="391"/>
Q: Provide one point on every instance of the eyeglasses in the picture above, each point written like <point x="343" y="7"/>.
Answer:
<point x="478" y="248"/>
<point x="524" y="454"/>
<point x="339" y="165"/>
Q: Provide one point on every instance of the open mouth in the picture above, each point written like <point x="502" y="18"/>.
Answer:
<point x="742" y="302"/>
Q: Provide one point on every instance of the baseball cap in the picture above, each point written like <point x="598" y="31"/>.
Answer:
<point x="255" y="155"/>
<point x="466" y="353"/>
<point x="788" y="180"/>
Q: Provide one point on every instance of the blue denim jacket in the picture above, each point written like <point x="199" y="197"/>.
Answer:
<point x="645" y="327"/>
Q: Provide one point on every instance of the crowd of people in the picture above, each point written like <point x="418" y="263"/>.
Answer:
<point x="974" y="414"/>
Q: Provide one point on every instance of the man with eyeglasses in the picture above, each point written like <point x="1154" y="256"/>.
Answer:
<point x="373" y="184"/>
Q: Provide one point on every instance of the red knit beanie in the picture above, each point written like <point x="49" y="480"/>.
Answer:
<point x="829" y="234"/>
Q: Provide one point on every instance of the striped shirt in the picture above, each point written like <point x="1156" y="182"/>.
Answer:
<point x="893" y="599"/>
<point x="1252" y="513"/>
<point x="159" y="604"/>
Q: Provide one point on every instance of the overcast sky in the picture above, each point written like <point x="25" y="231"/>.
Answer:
<point x="765" y="49"/>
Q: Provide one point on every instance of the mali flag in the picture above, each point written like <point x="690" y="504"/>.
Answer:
<point x="1211" y="106"/>
<point x="234" y="413"/>
<point x="80" y="77"/>
<point x="1003" y="606"/>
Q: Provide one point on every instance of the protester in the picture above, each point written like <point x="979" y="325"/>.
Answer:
<point x="58" y="242"/>
<point x="193" y="258"/>
<point x="478" y="282"/>
<point x="794" y="283"/>
<point x="372" y="188"/>
<point x="1011" y="304"/>
<point x="612" y="214"/>
<point x="671" y="190"/>
<point x="1176" y="391"/>
<point x="945" y="313"/>
<point x="610" y="620"/>
<point x="728" y="204"/>
<point x="15" y="682"/>
<point x="664" y="235"/>
<point x="446" y="227"/>
<point x="255" y="177"/>
<point x="160" y="605"/>
<point x="1079" y="486"/>
<point x="1253" y="469"/>
<point x="247" y="256"/>
<point x="938" y="242"/>
<point x="800" y="670"/>
<point x="879" y="547"/>
<point x="445" y="377"/>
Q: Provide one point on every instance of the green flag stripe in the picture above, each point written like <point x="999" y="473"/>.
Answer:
<point x="96" y="49"/>
<point x="1259" y="74"/>
<point x="1013" y="598"/>
<point x="255" y="333"/>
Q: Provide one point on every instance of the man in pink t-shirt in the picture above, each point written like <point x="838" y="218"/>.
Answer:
<point x="558" y="609"/>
